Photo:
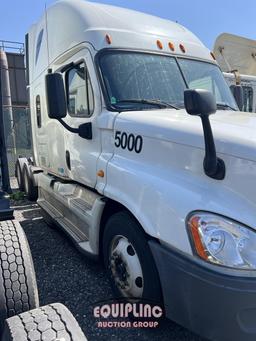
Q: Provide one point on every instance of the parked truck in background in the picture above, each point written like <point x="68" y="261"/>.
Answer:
<point x="237" y="58"/>
<point x="128" y="163"/>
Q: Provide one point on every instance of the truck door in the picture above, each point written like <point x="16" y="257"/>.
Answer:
<point x="84" y="105"/>
<point x="48" y="139"/>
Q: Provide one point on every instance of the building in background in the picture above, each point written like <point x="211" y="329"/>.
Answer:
<point x="15" y="100"/>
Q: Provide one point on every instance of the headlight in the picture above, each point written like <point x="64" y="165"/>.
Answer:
<point x="219" y="240"/>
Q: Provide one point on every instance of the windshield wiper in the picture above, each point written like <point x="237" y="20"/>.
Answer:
<point x="159" y="103"/>
<point x="225" y="105"/>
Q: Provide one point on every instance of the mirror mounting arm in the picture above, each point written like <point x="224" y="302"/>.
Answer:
<point x="202" y="103"/>
<point x="214" y="167"/>
<point x="66" y="126"/>
<point x="84" y="130"/>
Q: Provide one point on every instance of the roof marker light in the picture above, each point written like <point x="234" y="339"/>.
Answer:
<point x="212" y="55"/>
<point x="182" y="48"/>
<point x="159" y="44"/>
<point x="108" y="39"/>
<point x="171" y="46"/>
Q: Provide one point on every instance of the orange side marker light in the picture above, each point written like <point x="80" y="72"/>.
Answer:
<point x="193" y="224"/>
<point x="101" y="173"/>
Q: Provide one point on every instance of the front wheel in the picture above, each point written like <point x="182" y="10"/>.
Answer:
<point x="129" y="261"/>
<point x="30" y="189"/>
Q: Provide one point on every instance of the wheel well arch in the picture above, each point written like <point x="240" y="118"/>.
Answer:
<point x="111" y="207"/>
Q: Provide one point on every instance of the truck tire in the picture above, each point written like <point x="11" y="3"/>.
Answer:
<point x="30" y="190"/>
<point x="18" y="288"/>
<point x="19" y="175"/>
<point x="49" y="323"/>
<point x="129" y="261"/>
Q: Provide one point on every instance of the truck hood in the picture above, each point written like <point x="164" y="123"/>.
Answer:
<point x="234" y="132"/>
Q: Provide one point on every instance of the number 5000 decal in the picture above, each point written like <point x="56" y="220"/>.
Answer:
<point x="128" y="141"/>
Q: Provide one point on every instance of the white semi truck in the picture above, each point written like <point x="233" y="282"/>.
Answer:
<point x="237" y="58"/>
<point x="128" y="163"/>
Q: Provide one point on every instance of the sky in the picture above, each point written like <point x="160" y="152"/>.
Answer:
<point x="205" y="18"/>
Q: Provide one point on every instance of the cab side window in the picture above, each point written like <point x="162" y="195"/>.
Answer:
<point x="79" y="91"/>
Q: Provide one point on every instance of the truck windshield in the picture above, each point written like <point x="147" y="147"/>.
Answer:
<point x="139" y="81"/>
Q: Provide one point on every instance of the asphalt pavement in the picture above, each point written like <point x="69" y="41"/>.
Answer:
<point x="65" y="275"/>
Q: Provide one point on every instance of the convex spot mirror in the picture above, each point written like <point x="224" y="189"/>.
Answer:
<point x="55" y="96"/>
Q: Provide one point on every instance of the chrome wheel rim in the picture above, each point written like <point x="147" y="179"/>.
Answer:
<point x="126" y="268"/>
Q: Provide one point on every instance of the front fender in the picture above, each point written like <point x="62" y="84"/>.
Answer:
<point x="161" y="189"/>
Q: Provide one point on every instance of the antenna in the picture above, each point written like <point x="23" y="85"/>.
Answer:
<point x="47" y="40"/>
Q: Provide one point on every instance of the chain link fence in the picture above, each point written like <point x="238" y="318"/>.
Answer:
<point x="17" y="134"/>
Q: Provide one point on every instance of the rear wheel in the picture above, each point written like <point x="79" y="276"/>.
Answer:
<point x="29" y="188"/>
<point x="18" y="288"/>
<point x="19" y="176"/>
<point x="129" y="261"/>
<point x="49" y="323"/>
